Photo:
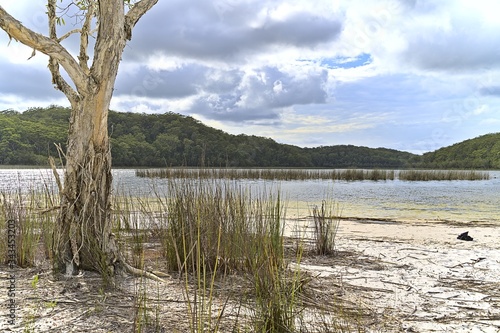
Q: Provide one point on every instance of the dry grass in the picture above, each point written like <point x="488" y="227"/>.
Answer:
<point x="312" y="174"/>
<point x="427" y="175"/>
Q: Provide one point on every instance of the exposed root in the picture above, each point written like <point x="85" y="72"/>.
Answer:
<point x="135" y="271"/>
<point x="143" y="273"/>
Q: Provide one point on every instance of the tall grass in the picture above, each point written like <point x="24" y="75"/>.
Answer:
<point x="311" y="174"/>
<point x="267" y="174"/>
<point x="220" y="220"/>
<point x="201" y="305"/>
<point x="278" y="292"/>
<point x="128" y="218"/>
<point x="217" y="228"/>
<point x="18" y="208"/>
<point x="427" y="175"/>
<point x="210" y="229"/>
<point x="326" y="222"/>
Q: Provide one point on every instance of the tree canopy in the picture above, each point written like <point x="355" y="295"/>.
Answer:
<point x="482" y="152"/>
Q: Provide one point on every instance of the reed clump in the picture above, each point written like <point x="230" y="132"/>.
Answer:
<point x="326" y="223"/>
<point x="129" y="220"/>
<point x="312" y="174"/>
<point x="221" y="220"/>
<point x="267" y="174"/>
<point x="215" y="228"/>
<point x="428" y="175"/>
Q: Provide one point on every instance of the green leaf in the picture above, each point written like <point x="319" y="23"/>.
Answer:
<point x="34" y="283"/>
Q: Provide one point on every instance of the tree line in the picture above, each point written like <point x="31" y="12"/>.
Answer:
<point x="170" y="139"/>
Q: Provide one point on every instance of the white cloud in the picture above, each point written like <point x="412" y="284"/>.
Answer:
<point x="481" y="110"/>
<point x="377" y="73"/>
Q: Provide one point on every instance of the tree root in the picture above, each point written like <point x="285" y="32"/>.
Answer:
<point x="124" y="267"/>
<point x="143" y="273"/>
<point x="138" y="272"/>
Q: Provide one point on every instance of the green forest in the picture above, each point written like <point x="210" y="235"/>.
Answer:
<point x="479" y="153"/>
<point x="170" y="139"/>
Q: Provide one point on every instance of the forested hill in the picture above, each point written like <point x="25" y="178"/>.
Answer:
<point x="170" y="139"/>
<point x="482" y="152"/>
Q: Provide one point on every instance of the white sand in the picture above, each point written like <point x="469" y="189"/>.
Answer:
<point x="430" y="281"/>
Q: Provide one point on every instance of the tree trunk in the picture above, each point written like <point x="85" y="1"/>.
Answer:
<point x="83" y="238"/>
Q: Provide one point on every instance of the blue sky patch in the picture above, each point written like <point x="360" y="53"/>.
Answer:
<point x="347" y="62"/>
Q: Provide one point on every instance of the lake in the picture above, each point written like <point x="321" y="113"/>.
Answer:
<point x="393" y="199"/>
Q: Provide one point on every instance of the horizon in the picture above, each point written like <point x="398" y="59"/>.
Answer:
<point x="412" y="76"/>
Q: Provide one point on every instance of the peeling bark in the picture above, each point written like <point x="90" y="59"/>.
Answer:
<point x="84" y="219"/>
<point x="83" y="238"/>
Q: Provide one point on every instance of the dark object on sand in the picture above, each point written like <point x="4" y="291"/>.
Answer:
<point x="465" y="236"/>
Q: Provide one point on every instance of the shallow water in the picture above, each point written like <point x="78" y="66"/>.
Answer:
<point x="393" y="199"/>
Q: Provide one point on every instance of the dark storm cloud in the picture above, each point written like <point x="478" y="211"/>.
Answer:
<point x="224" y="109"/>
<point x="160" y="84"/>
<point x="219" y="81"/>
<point x="281" y="89"/>
<point x="231" y="95"/>
<point x="187" y="80"/>
<point x="301" y="29"/>
<point x="202" y="30"/>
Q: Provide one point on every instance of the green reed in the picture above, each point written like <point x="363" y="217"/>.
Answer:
<point x="213" y="228"/>
<point x="326" y="223"/>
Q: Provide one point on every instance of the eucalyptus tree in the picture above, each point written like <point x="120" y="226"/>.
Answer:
<point x="83" y="237"/>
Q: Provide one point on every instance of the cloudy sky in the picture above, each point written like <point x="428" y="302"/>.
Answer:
<point x="412" y="75"/>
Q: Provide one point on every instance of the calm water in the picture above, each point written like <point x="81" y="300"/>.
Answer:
<point x="451" y="200"/>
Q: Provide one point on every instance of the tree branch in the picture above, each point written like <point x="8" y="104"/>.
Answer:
<point x="48" y="46"/>
<point x="84" y="39"/>
<point x="57" y="78"/>
<point x="135" y="13"/>
<point x="69" y="33"/>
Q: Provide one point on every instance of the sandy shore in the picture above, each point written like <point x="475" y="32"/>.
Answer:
<point x="412" y="276"/>
<point x="426" y="280"/>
